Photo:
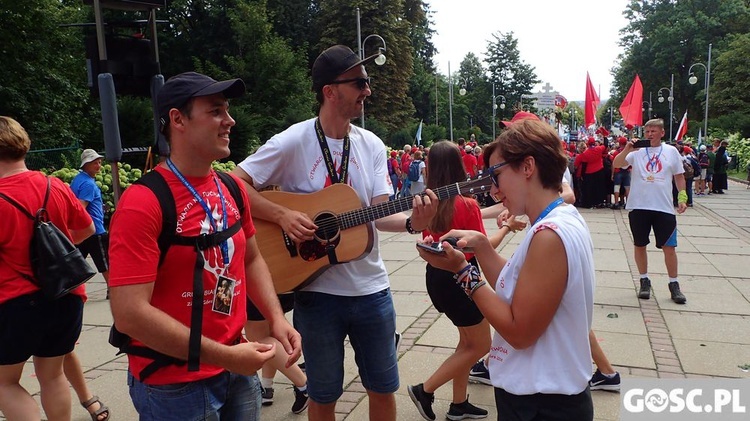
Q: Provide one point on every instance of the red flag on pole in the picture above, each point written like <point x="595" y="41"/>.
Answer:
<point x="683" y="127"/>
<point x="592" y="103"/>
<point x="631" y="107"/>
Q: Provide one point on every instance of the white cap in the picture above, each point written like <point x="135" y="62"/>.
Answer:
<point x="703" y="147"/>
<point x="89" y="155"/>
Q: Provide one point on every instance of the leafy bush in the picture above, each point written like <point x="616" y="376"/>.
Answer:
<point x="740" y="147"/>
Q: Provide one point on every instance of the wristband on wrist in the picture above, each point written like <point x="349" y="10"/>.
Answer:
<point x="506" y="225"/>
<point x="469" y="280"/>
<point x="409" y="228"/>
<point x="682" y="197"/>
<point x="462" y="271"/>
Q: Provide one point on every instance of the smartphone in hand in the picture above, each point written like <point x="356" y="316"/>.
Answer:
<point x="642" y="143"/>
<point x="436" y="248"/>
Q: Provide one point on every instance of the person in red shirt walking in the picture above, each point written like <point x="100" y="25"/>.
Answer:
<point x="34" y="326"/>
<point x="470" y="162"/>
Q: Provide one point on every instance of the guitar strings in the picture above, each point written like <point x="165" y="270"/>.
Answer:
<point x="336" y="221"/>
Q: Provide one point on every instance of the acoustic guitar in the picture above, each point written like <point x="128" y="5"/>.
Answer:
<point x="343" y="231"/>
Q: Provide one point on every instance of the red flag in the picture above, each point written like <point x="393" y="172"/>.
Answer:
<point x="592" y="103"/>
<point x="631" y="107"/>
<point x="683" y="128"/>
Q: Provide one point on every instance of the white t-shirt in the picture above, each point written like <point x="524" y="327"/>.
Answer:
<point x="294" y="161"/>
<point x="560" y="360"/>
<point x="651" y="178"/>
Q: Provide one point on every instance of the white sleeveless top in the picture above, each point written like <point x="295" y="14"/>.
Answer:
<point x="560" y="361"/>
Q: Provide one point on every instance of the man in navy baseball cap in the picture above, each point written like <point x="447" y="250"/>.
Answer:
<point x="178" y="90"/>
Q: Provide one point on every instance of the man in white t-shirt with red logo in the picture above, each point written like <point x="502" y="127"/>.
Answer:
<point x="650" y="203"/>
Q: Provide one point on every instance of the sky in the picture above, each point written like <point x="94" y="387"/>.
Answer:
<point x="561" y="39"/>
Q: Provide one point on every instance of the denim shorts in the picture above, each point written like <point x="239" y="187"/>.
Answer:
<point x="622" y="178"/>
<point x="325" y="320"/>
<point x="226" y="396"/>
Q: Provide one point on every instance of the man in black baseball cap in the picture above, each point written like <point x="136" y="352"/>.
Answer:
<point x="181" y="88"/>
<point x="148" y="293"/>
<point x="323" y="153"/>
<point x="334" y="62"/>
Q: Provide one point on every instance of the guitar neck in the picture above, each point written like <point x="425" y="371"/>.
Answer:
<point x="362" y="216"/>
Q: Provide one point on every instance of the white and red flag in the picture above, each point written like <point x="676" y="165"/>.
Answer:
<point x="682" y="130"/>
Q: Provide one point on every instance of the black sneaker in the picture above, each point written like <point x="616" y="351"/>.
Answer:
<point x="423" y="400"/>
<point x="480" y="374"/>
<point x="459" y="411"/>
<point x="645" y="292"/>
<point x="266" y="395"/>
<point x="601" y="382"/>
<point x="300" y="400"/>
<point x="677" y="296"/>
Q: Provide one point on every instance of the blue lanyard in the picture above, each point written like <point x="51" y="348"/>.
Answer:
<point x="224" y="246"/>
<point x="555" y="203"/>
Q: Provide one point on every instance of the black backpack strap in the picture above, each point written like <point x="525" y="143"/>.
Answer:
<point x="234" y="190"/>
<point x="158" y="185"/>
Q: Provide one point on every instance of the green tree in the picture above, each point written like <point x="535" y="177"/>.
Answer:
<point x="512" y="76"/>
<point x="233" y="38"/>
<point x="422" y="82"/>
<point x="730" y="94"/>
<point x="43" y="72"/>
<point x="667" y="37"/>
<point x="389" y="103"/>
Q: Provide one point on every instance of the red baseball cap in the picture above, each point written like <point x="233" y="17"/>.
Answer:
<point x="591" y="141"/>
<point x="622" y="140"/>
<point x="521" y="115"/>
<point x="394" y="153"/>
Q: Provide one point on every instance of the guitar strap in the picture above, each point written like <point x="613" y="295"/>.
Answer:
<point x="329" y="159"/>
<point x="330" y="247"/>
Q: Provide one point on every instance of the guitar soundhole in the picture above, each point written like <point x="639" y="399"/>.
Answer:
<point x="326" y="239"/>
<point x="328" y="228"/>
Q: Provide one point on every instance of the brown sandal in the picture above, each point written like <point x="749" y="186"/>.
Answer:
<point x="101" y="411"/>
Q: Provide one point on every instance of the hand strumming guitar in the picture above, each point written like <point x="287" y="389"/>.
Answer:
<point x="297" y="225"/>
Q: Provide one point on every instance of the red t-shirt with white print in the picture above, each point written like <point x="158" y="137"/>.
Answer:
<point x="134" y="259"/>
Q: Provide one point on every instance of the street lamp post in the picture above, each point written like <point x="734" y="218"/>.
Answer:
<point x="379" y="60"/>
<point x="693" y="80"/>
<point x="573" y="119"/>
<point x="450" y="102"/>
<point x="670" y="98"/>
<point x="494" y="108"/>
<point x="461" y="91"/>
<point x="649" y="103"/>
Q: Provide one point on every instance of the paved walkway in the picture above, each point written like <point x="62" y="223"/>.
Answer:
<point x="707" y="337"/>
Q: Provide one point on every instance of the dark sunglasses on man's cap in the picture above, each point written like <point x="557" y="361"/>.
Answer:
<point x="362" y="82"/>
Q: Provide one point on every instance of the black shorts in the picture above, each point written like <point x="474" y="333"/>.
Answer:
<point x="663" y="224"/>
<point x="30" y="325"/>
<point x="544" y="406"/>
<point x="449" y="298"/>
<point x="98" y="247"/>
<point x="286" y="301"/>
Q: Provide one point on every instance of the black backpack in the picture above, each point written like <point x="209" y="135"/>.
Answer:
<point x="57" y="264"/>
<point x="167" y="237"/>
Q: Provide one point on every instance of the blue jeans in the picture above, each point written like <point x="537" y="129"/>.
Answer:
<point x="325" y="320"/>
<point x="394" y="182"/>
<point x="226" y="396"/>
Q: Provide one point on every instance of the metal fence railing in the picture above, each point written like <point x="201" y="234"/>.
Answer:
<point x="54" y="159"/>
